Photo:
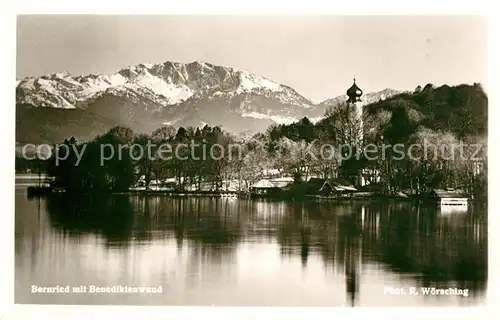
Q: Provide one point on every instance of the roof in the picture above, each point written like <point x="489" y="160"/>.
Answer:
<point x="263" y="183"/>
<point x="281" y="182"/>
<point x="344" y="188"/>
<point x="449" y="193"/>
<point x="282" y="179"/>
<point x="316" y="184"/>
<point x="354" y="92"/>
<point x="316" y="180"/>
<point x="340" y="182"/>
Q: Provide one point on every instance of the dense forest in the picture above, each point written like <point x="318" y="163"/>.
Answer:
<point x="444" y="116"/>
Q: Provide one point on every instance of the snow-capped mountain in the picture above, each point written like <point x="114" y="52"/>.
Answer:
<point x="166" y="83"/>
<point x="146" y="96"/>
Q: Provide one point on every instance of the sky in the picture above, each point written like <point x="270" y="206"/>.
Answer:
<point x="316" y="55"/>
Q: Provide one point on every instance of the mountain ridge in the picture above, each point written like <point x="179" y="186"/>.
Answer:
<point x="146" y="96"/>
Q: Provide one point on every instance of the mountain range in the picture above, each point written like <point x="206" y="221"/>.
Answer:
<point x="144" y="97"/>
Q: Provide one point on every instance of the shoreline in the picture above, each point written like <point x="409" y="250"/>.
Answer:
<point x="416" y="200"/>
<point x="45" y="190"/>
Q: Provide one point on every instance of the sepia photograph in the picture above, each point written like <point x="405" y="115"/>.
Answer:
<point x="218" y="160"/>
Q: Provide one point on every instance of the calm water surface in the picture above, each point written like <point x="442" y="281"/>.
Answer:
<point x="228" y="252"/>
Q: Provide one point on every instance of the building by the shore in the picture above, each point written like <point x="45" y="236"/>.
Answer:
<point x="450" y="197"/>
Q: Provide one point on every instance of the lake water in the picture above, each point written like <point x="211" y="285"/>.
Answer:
<point x="229" y="252"/>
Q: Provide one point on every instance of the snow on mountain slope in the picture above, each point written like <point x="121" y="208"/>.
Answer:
<point x="174" y="93"/>
<point x="171" y="82"/>
<point x="146" y="96"/>
<point x="276" y="118"/>
<point x="61" y="90"/>
<point x="249" y="81"/>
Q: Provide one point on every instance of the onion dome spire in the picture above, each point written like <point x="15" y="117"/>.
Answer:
<point x="354" y="92"/>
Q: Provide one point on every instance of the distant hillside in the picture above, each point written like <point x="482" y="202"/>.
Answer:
<point x="460" y="110"/>
<point x="53" y="125"/>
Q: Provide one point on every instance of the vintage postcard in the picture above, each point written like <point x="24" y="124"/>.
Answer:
<point x="329" y="161"/>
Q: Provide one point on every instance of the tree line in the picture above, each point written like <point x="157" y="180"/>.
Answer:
<point x="444" y="116"/>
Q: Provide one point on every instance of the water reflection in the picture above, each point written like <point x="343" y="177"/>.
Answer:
<point x="356" y="244"/>
<point x="111" y="217"/>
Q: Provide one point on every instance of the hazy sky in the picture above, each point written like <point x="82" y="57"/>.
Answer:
<point x="317" y="56"/>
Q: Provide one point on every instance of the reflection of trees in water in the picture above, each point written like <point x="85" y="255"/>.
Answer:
<point x="294" y="233"/>
<point x="404" y="237"/>
<point x="210" y="225"/>
<point x="110" y="217"/>
<point x="436" y="249"/>
<point x="440" y="249"/>
<point x="331" y="231"/>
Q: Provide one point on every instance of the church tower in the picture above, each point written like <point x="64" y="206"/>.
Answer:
<point x="354" y="93"/>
